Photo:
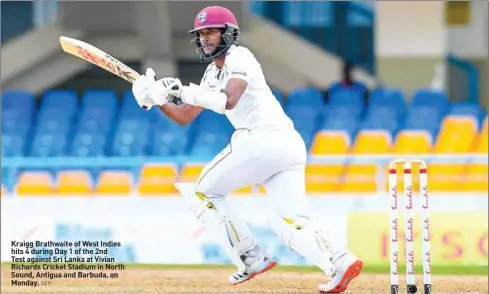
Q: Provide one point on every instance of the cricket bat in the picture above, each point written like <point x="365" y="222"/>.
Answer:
<point x="104" y="60"/>
<point x="98" y="57"/>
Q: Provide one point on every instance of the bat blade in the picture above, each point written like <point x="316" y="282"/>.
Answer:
<point x="98" y="57"/>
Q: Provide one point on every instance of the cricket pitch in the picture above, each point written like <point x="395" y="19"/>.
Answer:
<point x="206" y="280"/>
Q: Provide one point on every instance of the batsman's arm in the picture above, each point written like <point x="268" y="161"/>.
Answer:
<point x="183" y="114"/>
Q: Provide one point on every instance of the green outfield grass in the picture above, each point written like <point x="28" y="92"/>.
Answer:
<point x="462" y="270"/>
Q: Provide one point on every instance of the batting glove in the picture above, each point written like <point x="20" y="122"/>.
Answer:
<point x="140" y="89"/>
<point x="174" y="86"/>
<point x="158" y="93"/>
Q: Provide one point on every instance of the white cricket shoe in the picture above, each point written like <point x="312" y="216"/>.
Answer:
<point x="261" y="265"/>
<point x="348" y="267"/>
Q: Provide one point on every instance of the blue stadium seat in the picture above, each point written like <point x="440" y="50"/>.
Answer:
<point x="382" y="112"/>
<point x="15" y="121"/>
<point x="355" y="87"/>
<point x="132" y="126"/>
<point x="353" y="111"/>
<point x="382" y="123"/>
<point x="348" y="125"/>
<point x="304" y="116"/>
<point x="97" y="116"/>
<point x="169" y="143"/>
<point x="431" y="98"/>
<point x="426" y="118"/>
<point x="306" y="121"/>
<point x="137" y="114"/>
<point x="63" y="99"/>
<point x="13" y="144"/>
<point x="49" y="144"/>
<point x="209" y="143"/>
<point x="128" y="99"/>
<point x="212" y="132"/>
<point x="18" y="100"/>
<point x="100" y="98"/>
<point x="346" y="96"/>
<point x="466" y="108"/>
<point x="211" y="121"/>
<point x="131" y="110"/>
<point x="97" y="111"/>
<point x="128" y="144"/>
<point x="203" y="151"/>
<point x="53" y="124"/>
<point x="131" y="138"/>
<point x="308" y="138"/>
<point x="305" y="97"/>
<point x="164" y="122"/>
<point x="95" y="124"/>
<point x="57" y="113"/>
<point x="168" y="138"/>
<point x="16" y="128"/>
<point x="391" y="98"/>
<point x="16" y="114"/>
<point x="55" y="119"/>
<point x="89" y="144"/>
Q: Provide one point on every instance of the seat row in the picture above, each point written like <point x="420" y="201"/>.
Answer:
<point x="98" y="124"/>
<point x="459" y="134"/>
<point x="158" y="180"/>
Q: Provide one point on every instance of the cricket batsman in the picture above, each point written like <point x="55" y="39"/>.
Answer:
<point x="264" y="149"/>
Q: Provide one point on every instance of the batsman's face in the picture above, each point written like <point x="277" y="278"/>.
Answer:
<point x="210" y="39"/>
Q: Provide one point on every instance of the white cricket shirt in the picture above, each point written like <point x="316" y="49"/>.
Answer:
<point x="257" y="107"/>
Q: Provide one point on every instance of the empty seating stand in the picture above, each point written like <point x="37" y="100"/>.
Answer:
<point x="99" y="123"/>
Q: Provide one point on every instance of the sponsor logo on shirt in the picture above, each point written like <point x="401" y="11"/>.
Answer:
<point x="240" y="73"/>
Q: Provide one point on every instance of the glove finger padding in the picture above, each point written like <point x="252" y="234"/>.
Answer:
<point x="158" y="93"/>
<point x="173" y="84"/>
<point x="166" y="82"/>
<point x="150" y="73"/>
<point x="140" y="92"/>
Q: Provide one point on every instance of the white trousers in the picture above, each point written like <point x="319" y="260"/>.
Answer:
<point x="274" y="158"/>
